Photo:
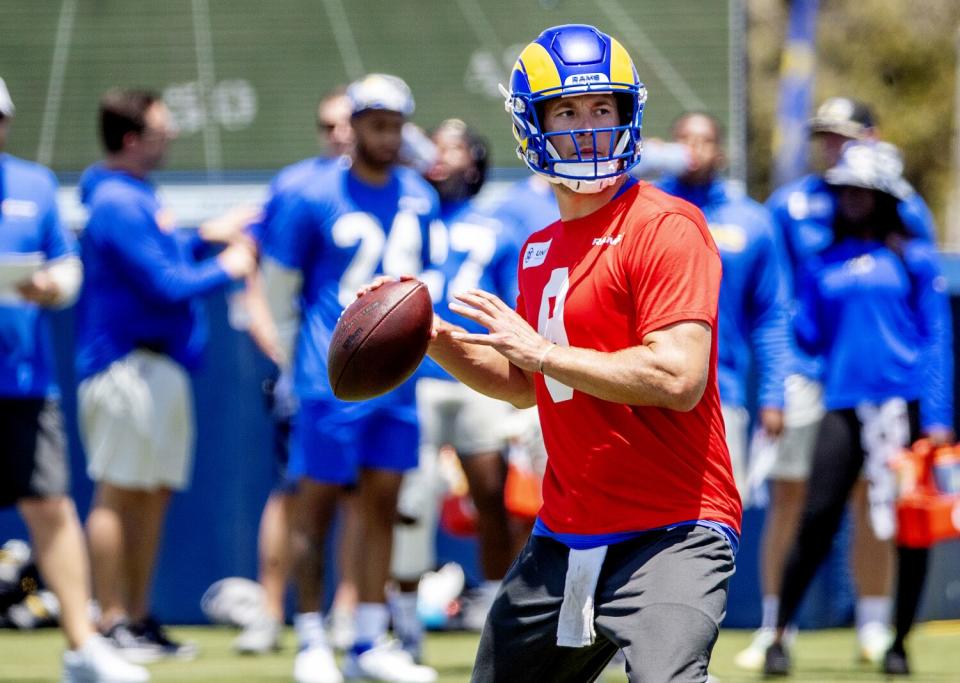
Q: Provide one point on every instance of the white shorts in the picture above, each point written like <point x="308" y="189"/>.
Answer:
<point x="136" y="421"/>
<point x="803" y="411"/>
<point x="736" y="422"/>
<point x="453" y="413"/>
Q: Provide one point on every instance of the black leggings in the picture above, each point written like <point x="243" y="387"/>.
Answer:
<point x="837" y="461"/>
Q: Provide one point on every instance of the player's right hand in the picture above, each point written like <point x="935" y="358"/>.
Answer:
<point x="379" y="281"/>
<point x="239" y="259"/>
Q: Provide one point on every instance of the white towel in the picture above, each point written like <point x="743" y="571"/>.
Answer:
<point x="885" y="431"/>
<point x="575" y="628"/>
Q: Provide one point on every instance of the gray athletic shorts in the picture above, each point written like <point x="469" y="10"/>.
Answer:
<point x="802" y="415"/>
<point x="33" y="450"/>
<point x="660" y="598"/>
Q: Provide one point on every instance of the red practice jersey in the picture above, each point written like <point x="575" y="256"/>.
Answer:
<point x="642" y="262"/>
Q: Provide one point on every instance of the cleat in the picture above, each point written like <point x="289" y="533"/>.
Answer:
<point x="875" y="640"/>
<point x="387" y="662"/>
<point x="776" y="661"/>
<point x="315" y="664"/>
<point x="895" y="663"/>
<point x="149" y="630"/>
<point x="98" y="662"/>
<point x="259" y="637"/>
<point x="752" y="657"/>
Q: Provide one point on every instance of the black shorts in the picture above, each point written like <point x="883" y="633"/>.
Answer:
<point x="33" y="450"/>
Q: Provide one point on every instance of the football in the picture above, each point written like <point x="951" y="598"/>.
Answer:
<point x="380" y="340"/>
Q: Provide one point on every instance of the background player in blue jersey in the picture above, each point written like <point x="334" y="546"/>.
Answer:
<point x="482" y="252"/>
<point x="873" y="305"/>
<point x="803" y="212"/>
<point x="273" y="540"/>
<point x="753" y="321"/>
<point x="528" y="205"/>
<point x="34" y="474"/>
<point x="140" y="331"/>
<point x="348" y="225"/>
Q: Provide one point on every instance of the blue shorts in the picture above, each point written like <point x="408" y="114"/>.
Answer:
<point x="332" y="441"/>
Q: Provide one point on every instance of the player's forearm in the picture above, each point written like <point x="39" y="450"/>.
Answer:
<point x="281" y="286"/>
<point x="485" y="370"/>
<point x="261" y="327"/>
<point x="640" y="376"/>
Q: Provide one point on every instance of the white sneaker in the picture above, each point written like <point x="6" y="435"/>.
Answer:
<point x="259" y="637"/>
<point x="751" y="658"/>
<point x="97" y="662"/>
<point x="874" y="639"/>
<point x="316" y="665"/>
<point x="389" y="663"/>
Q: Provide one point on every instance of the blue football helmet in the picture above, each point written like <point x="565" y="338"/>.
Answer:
<point x="566" y="61"/>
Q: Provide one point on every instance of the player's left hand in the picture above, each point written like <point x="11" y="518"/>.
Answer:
<point x="509" y="333"/>
<point x="40" y="289"/>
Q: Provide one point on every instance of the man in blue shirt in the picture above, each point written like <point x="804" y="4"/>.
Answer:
<point x="140" y="332"/>
<point x="345" y="226"/>
<point x="482" y="252"/>
<point x="273" y="540"/>
<point x="34" y="474"/>
<point x="753" y="319"/>
<point x="803" y="212"/>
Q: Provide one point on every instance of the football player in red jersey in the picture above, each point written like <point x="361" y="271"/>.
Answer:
<point x="614" y="339"/>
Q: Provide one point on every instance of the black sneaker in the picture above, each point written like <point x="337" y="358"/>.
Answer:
<point x="895" y="663"/>
<point x="131" y="646"/>
<point x="777" y="661"/>
<point x="150" y="630"/>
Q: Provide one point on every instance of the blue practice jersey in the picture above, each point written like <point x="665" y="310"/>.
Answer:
<point x="29" y="224"/>
<point x="142" y="282"/>
<point x="528" y="205"/>
<point x="753" y="320"/>
<point x="482" y="253"/>
<point x="340" y="232"/>
<point x="285" y="186"/>
<point x="803" y="211"/>
<point x="881" y="321"/>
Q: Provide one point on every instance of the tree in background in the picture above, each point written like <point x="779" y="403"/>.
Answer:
<point x="900" y="57"/>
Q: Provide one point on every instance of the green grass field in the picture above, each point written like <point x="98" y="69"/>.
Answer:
<point x="821" y="657"/>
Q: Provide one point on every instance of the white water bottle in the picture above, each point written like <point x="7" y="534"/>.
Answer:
<point x="661" y="158"/>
